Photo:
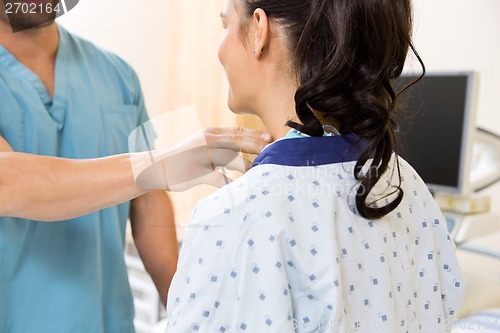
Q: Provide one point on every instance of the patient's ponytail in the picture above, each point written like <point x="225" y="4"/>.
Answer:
<point x="345" y="54"/>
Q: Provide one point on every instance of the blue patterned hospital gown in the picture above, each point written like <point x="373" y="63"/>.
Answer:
<point x="282" y="250"/>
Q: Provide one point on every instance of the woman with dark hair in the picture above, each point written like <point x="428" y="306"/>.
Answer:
<point x="330" y="231"/>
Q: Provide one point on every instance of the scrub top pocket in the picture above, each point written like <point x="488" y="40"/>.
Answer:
<point x="118" y="123"/>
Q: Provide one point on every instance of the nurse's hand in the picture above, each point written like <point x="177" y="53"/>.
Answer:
<point x="199" y="159"/>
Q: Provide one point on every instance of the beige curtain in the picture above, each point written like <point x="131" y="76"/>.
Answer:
<point x="195" y="77"/>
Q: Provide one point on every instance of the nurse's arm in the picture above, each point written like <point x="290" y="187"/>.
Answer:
<point x="52" y="189"/>
<point x="153" y="228"/>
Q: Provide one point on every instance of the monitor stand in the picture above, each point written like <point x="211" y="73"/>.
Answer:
<point x="464" y="227"/>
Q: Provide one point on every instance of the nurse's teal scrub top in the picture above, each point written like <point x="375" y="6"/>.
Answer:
<point x="69" y="276"/>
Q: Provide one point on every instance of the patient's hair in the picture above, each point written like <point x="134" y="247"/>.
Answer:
<point x="345" y="54"/>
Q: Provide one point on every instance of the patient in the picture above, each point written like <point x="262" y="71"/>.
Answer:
<point x="329" y="231"/>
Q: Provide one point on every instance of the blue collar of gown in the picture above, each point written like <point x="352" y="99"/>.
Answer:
<point x="304" y="150"/>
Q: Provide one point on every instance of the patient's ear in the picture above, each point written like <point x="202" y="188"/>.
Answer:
<point x="260" y="22"/>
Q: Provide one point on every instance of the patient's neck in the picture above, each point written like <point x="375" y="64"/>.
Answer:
<point x="276" y="106"/>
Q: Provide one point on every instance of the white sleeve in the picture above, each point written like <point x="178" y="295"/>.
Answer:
<point x="232" y="274"/>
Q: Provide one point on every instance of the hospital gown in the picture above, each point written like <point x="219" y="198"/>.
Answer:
<point x="283" y="249"/>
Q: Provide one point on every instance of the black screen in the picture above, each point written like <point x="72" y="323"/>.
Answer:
<point x="433" y="113"/>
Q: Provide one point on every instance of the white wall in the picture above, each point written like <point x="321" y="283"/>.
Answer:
<point x="132" y="29"/>
<point x="464" y="34"/>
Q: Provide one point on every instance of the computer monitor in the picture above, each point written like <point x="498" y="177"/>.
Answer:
<point x="437" y="128"/>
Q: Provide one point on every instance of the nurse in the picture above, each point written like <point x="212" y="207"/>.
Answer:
<point x="329" y="231"/>
<point x="61" y="96"/>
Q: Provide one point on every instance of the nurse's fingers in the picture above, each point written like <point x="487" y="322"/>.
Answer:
<point x="244" y="131"/>
<point x="248" y="140"/>
<point x="226" y="157"/>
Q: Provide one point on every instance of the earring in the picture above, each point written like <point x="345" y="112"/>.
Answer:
<point x="255" y="50"/>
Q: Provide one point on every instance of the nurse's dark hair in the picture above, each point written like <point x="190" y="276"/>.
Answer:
<point x="345" y="54"/>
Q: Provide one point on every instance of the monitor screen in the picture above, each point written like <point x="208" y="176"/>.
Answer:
<point x="436" y="126"/>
